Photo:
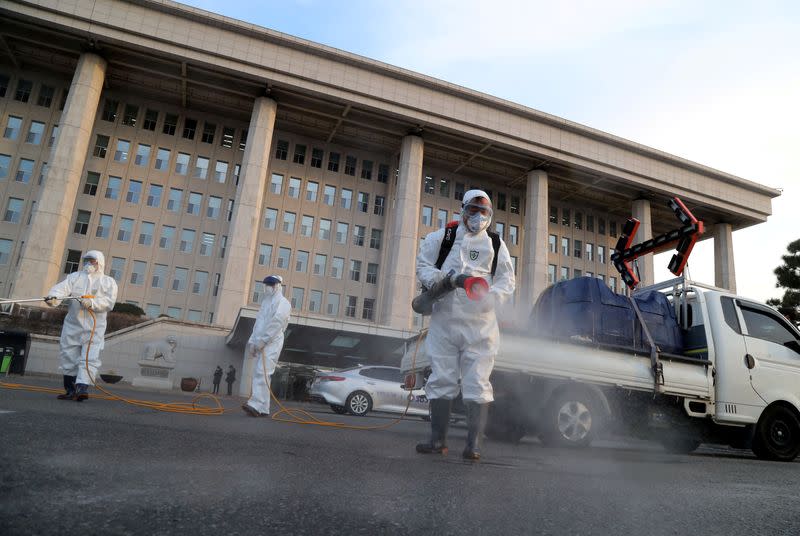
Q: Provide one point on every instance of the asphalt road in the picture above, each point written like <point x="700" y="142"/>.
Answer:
<point x="102" y="467"/>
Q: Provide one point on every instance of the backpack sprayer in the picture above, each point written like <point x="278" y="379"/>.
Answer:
<point x="476" y="288"/>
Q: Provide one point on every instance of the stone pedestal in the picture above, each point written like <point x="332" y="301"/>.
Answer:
<point x="154" y="375"/>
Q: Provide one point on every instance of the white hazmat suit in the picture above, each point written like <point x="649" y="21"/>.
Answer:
<point x="76" y="333"/>
<point x="265" y="344"/>
<point x="463" y="338"/>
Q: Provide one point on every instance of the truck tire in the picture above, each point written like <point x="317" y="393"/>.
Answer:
<point x="503" y="424"/>
<point x="571" y="419"/>
<point x="777" y="435"/>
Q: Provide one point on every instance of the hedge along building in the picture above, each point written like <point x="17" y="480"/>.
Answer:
<point x="201" y="153"/>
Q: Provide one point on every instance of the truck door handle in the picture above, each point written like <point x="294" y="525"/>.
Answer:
<point x="749" y="361"/>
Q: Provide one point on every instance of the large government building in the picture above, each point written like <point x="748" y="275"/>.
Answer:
<point x="201" y="153"/>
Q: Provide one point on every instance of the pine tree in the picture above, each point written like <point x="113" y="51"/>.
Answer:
<point x="788" y="275"/>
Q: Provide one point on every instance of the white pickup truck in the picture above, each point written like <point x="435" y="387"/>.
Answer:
<point x="735" y="381"/>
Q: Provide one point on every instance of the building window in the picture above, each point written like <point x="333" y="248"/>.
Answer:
<point x="189" y="128"/>
<point x="187" y="241"/>
<point x="297" y="298"/>
<point x="170" y="124"/>
<point x="301" y="261"/>
<point x="117" y="268"/>
<point x="46" y="94"/>
<point x="553" y="218"/>
<point x="589" y="252"/>
<point x="14" y="213"/>
<point x="320" y="264"/>
<point x="35" y="133"/>
<point x="352" y="304"/>
<point x="458" y="191"/>
<point x="551" y="243"/>
<point x="228" y="134"/>
<point x="612" y="231"/>
<point x="162" y="159"/>
<point x="123" y="148"/>
<point x="42" y="172"/>
<point x="601" y="254"/>
<point x="146" y="230"/>
<point x="565" y="217"/>
<point x="315" y="301"/>
<point x="299" y="154"/>
<point x="359" y="233"/>
<point x="221" y="171"/>
<point x="236" y="169"/>
<point x="316" y="157"/>
<point x="154" y="195"/>
<point x="179" y="279"/>
<point x="182" y="164"/>
<point x="427" y="216"/>
<point x="379" y="204"/>
<point x="372" y="273"/>
<point x="333" y="304"/>
<point x="350" y="165"/>
<point x="167" y="237"/>
<point x="81" y="221"/>
<point x="104" y="226"/>
<point x="174" y="312"/>
<point x="243" y="140"/>
<point x="264" y="254"/>
<point x="333" y="161"/>
<point x="363" y="202"/>
<point x="200" y="282"/>
<point x="429" y="185"/>
<point x="3" y="85"/>
<point x="73" y="263"/>
<point x="100" y="146"/>
<point x="329" y="195"/>
<point x="200" y="168"/>
<point x="110" y="110"/>
<point x="130" y="115"/>
<point x="113" y="188"/>
<point x="565" y="246"/>
<point x="125" y="230"/>
<point x="294" y="188"/>
<point x="288" y="222"/>
<point x="513" y="235"/>
<point x="5" y="164"/>
<point x="215" y="290"/>
<point x="601" y="226"/>
<point x="207" y="244"/>
<point x="195" y="201"/>
<point x="375" y="239"/>
<point x="514" y="206"/>
<point x="138" y="273"/>
<point x="24" y="171"/>
<point x="355" y="270"/>
<point x="258" y="291"/>
<point x="337" y="267"/>
<point x="311" y="191"/>
<point x="500" y="229"/>
<point x="578" y="220"/>
<point x="276" y="184"/>
<point x="54" y="135"/>
<point x="134" y="192"/>
<point x="208" y="132"/>
<point x="368" y="311"/>
<point x="284" y="255"/>
<point x="347" y="198"/>
<point x="270" y="219"/>
<point x="590" y="223"/>
<point x="578" y="247"/>
<point x="383" y="173"/>
<point x="214" y="207"/>
<point x="366" y="170"/>
<point x="307" y="226"/>
<point x="324" y="229"/>
<point x="341" y="232"/>
<point x="564" y="273"/>
<point x="175" y="199"/>
<point x="223" y="244"/>
<point x="281" y="150"/>
<point x="152" y="310"/>
<point x="150" y="120"/>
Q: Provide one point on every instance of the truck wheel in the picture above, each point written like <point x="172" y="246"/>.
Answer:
<point x="359" y="403"/>
<point x="570" y="420"/>
<point x="777" y="436"/>
<point x="679" y="444"/>
<point x="504" y="425"/>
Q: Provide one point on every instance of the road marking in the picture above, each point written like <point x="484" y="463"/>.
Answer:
<point x="6" y="411"/>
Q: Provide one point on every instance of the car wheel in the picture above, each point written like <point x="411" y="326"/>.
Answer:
<point x="359" y="403"/>
<point x="570" y="420"/>
<point x="777" y="435"/>
<point x="338" y="409"/>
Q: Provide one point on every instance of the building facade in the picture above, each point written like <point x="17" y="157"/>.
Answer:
<point x="201" y="153"/>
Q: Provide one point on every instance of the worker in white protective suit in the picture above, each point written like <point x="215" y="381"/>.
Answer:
<point x="463" y="338"/>
<point x="76" y="334"/>
<point x="265" y="344"/>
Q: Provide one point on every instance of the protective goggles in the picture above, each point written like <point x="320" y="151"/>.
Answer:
<point x="475" y="208"/>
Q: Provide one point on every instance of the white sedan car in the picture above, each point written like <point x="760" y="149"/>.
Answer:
<point x="360" y="390"/>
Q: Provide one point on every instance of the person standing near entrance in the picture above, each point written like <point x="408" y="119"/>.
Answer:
<point x="230" y="377"/>
<point x="217" y="379"/>
<point x="265" y="344"/>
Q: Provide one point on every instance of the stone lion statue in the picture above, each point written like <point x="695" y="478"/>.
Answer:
<point x="163" y="349"/>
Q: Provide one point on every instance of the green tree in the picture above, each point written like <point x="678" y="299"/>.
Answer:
<point x="788" y="275"/>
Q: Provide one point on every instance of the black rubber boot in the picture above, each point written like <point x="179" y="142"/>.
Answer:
<point x="81" y="392"/>
<point x="477" y="415"/>
<point x="440" y="422"/>
<point x="69" y="387"/>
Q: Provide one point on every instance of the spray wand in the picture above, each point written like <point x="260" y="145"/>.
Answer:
<point x="476" y="288"/>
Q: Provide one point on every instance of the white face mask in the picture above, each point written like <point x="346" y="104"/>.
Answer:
<point x="477" y="222"/>
<point x="90" y="268"/>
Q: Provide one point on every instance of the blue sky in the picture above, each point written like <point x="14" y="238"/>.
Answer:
<point x="715" y="82"/>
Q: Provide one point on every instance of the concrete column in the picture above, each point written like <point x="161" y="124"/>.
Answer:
<point x="641" y="211"/>
<point x="724" y="271"/>
<point x="45" y="242"/>
<point x="238" y="273"/>
<point x="533" y="276"/>
<point x="401" y="280"/>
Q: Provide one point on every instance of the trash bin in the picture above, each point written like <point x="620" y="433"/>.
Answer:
<point x="15" y="346"/>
